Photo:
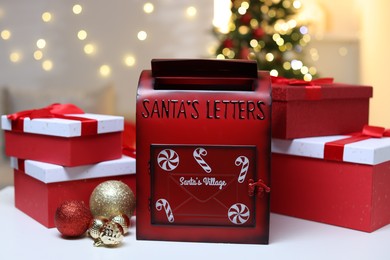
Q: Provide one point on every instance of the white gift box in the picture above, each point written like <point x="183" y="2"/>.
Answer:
<point x="41" y="187"/>
<point x="76" y="139"/>
<point x="322" y="179"/>
<point x="370" y="151"/>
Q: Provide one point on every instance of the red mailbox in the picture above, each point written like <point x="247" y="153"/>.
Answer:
<point x="203" y="152"/>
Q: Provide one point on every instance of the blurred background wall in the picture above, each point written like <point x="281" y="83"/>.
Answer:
<point x="64" y="44"/>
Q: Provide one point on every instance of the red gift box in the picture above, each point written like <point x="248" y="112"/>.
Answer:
<point x="41" y="187"/>
<point x="317" y="108"/>
<point x="63" y="135"/>
<point x="349" y="188"/>
<point x="203" y="150"/>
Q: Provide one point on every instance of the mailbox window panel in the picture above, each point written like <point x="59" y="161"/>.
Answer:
<point x="202" y="185"/>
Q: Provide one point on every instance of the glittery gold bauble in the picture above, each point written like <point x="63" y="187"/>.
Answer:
<point x="95" y="225"/>
<point x="112" y="198"/>
<point x="122" y="220"/>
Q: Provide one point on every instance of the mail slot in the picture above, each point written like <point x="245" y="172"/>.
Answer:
<point x="203" y="151"/>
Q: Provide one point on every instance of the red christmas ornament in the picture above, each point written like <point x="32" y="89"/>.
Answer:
<point x="72" y="218"/>
<point x="246" y="18"/>
<point x="258" y="33"/>
<point x="244" y="53"/>
<point x="228" y="43"/>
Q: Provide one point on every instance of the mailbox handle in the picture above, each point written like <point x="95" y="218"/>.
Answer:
<point x="208" y="68"/>
<point x="203" y="83"/>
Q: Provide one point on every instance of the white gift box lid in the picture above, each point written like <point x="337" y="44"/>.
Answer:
<point x="51" y="173"/>
<point x="65" y="127"/>
<point x="371" y="151"/>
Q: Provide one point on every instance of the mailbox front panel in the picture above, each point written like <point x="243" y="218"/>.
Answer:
<point x="190" y="185"/>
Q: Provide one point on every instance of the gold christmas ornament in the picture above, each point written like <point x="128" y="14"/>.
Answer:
<point x="95" y="226"/>
<point x="122" y="220"/>
<point x="111" y="234"/>
<point x="112" y="198"/>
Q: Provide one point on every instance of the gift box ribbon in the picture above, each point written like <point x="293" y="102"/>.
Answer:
<point x="20" y="165"/>
<point x="129" y="140"/>
<point x="312" y="88"/>
<point x="128" y="151"/>
<point x="335" y="150"/>
<point x="88" y="126"/>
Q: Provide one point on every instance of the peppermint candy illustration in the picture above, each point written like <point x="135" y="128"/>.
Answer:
<point x="244" y="162"/>
<point x="168" y="159"/>
<point x="198" y="153"/>
<point x="164" y="204"/>
<point x="238" y="213"/>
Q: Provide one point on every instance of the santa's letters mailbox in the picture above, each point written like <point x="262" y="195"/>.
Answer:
<point x="203" y="152"/>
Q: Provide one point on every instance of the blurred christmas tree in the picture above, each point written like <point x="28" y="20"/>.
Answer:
<point x="269" y="32"/>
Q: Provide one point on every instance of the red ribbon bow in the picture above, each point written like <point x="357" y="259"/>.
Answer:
<point x="89" y="126"/>
<point x="299" y="82"/>
<point x="335" y="150"/>
<point x="47" y="112"/>
<point x="374" y="131"/>
<point x="312" y="88"/>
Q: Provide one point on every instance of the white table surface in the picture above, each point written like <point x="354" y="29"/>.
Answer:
<point x="21" y="237"/>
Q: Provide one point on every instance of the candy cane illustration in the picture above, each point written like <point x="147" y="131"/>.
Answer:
<point x="168" y="160"/>
<point x="198" y="153"/>
<point x="163" y="203"/>
<point x="238" y="213"/>
<point x="244" y="161"/>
